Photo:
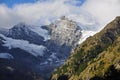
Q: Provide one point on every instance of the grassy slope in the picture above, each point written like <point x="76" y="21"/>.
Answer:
<point x="88" y="55"/>
<point x="102" y="63"/>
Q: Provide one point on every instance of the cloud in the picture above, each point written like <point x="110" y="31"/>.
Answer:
<point x="33" y="13"/>
<point x="103" y="10"/>
<point x="91" y="12"/>
<point x="7" y="16"/>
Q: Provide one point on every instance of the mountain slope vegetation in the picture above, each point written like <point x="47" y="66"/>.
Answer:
<point x="97" y="58"/>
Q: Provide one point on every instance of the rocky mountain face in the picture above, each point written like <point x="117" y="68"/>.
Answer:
<point x="37" y="50"/>
<point x="64" y="31"/>
<point x="64" y="36"/>
<point x="22" y="31"/>
<point x="97" y="58"/>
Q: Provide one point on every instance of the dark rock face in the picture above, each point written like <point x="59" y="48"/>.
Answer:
<point x="64" y="36"/>
<point x="9" y="69"/>
<point x="112" y="74"/>
<point x="63" y="77"/>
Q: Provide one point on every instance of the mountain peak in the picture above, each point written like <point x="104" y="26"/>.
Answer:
<point x="21" y="25"/>
<point x="65" y="31"/>
<point x="65" y="22"/>
<point x="63" y="17"/>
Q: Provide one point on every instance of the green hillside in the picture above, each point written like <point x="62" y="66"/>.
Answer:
<point x="97" y="58"/>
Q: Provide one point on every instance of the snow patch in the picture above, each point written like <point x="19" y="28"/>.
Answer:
<point x="53" y="55"/>
<point x="44" y="63"/>
<point x="86" y="34"/>
<point x="35" y="50"/>
<point x="6" y="56"/>
<point x="42" y="32"/>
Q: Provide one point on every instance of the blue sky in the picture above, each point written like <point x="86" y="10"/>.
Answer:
<point x="11" y="3"/>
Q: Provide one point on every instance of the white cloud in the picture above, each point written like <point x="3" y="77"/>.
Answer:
<point x="103" y="10"/>
<point x="32" y="12"/>
<point x="7" y="16"/>
<point x="44" y="12"/>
